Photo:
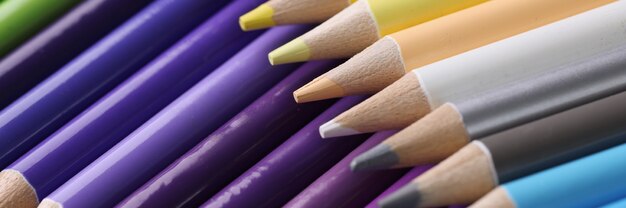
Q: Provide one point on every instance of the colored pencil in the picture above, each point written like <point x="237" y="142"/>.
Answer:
<point x="591" y="181"/>
<point x="288" y="169"/>
<point x="59" y="43"/>
<point x="499" y="158"/>
<point x="389" y="58"/>
<point x="453" y="125"/>
<point x="360" y="25"/>
<point x="176" y="128"/>
<point x="233" y="148"/>
<point x="616" y="204"/>
<point x="488" y="67"/>
<point x="96" y="71"/>
<point x="405" y="179"/>
<point x="340" y="187"/>
<point x="78" y="143"/>
<point x="20" y="19"/>
<point x="283" y="12"/>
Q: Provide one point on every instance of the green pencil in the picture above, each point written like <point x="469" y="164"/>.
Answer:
<point x="20" y="19"/>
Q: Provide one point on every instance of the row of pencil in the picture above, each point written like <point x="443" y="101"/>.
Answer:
<point x="167" y="103"/>
<point x="499" y="92"/>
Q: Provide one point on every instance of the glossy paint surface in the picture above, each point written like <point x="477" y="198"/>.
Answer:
<point x="340" y="187"/>
<point x="59" y="43"/>
<point x="96" y="71"/>
<point x="236" y="146"/>
<point x="97" y="129"/>
<point x="291" y="167"/>
<point x="179" y="126"/>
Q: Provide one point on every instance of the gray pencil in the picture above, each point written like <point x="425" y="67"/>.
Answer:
<point x="483" y="164"/>
<point x="453" y="125"/>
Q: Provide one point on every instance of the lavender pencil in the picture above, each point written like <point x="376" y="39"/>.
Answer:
<point x="177" y="127"/>
<point x="340" y="187"/>
<point x="233" y="148"/>
<point x="52" y="48"/>
<point x="96" y="71"/>
<point x="112" y="118"/>
<point x="288" y="169"/>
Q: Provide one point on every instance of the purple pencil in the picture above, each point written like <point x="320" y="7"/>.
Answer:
<point x="340" y="187"/>
<point x="95" y="72"/>
<point x="177" y="127"/>
<point x="59" y="43"/>
<point x="89" y="135"/>
<point x="414" y="172"/>
<point x="234" y="147"/>
<point x="290" y="167"/>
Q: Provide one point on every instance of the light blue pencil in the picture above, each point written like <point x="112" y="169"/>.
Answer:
<point x="591" y="181"/>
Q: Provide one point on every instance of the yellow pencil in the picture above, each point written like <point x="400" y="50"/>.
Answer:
<point x="360" y="25"/>
<point x="282" y="12"/>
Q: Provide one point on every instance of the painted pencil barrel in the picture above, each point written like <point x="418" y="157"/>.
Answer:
<point x="559" y="138"/>
<point x="96" y="71"/>
<point x="616" y="204"/>
<point x="288" y="169"/>
<point x="394" y="15"/>
<point x="525" y="55"/>
<point x="179" y="126"/>
<point x="567" y="86"/>
<point x="20" y="19"/>
<point x="340" y="187"/>
<point x="133" y="102"/>
<point x="234" y="147"/>
<point x="591" y="181"/>
<point x="53" y="47"/>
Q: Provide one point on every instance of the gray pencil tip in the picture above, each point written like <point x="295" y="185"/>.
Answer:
<point x="379" y="157"/>
<point x="405" y="197"/>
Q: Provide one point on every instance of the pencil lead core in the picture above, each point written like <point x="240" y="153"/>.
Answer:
<point x="379" y="157"/>
<point x="318" y="89"/>
<point x="47" y="203"/>
<point x="334" y="129"/>
<point x="294" y="51"/>
<point x="406" y="197"/>
<point x="259" y="18"/>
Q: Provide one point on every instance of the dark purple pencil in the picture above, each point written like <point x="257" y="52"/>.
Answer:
<point x="340" y="187"/>
<point x="93" y="132"/>
<point x="412" y="174"/>
<point x="292" y="166"/>
<point x="95" y="72"/>
<point x="59" y="43"/>
<point x="234" y="147"/>
<point x="179" y="126"/>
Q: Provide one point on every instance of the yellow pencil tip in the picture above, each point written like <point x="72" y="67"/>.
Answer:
<point x="259" y="18"/>
<point x="294" y="51"/>
<point x="318" y="89"/>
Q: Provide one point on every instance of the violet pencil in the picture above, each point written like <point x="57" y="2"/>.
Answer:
<point x="340" y="187"/>
<point x="176" y="128"/>
<point x="53" y="47"/>
<point x="234" y="147"/>
<point x="96" y="71"/>
<point x="93" y="132"/>
<point x="288" y="169"/>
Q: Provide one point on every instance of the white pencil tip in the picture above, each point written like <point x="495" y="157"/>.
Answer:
<point x="334" y="129"/>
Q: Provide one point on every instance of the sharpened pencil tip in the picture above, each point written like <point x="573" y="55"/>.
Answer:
<point x="318" y="89"/>
<point x="48" y="203"/>
<point x="379" y="157"/>
<point x="15" y="190"/>
<point x="334" y="129"/>
<point x="406" y="197"/>
<point x="259" y="18"/>
<point x="294" y="51"/>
